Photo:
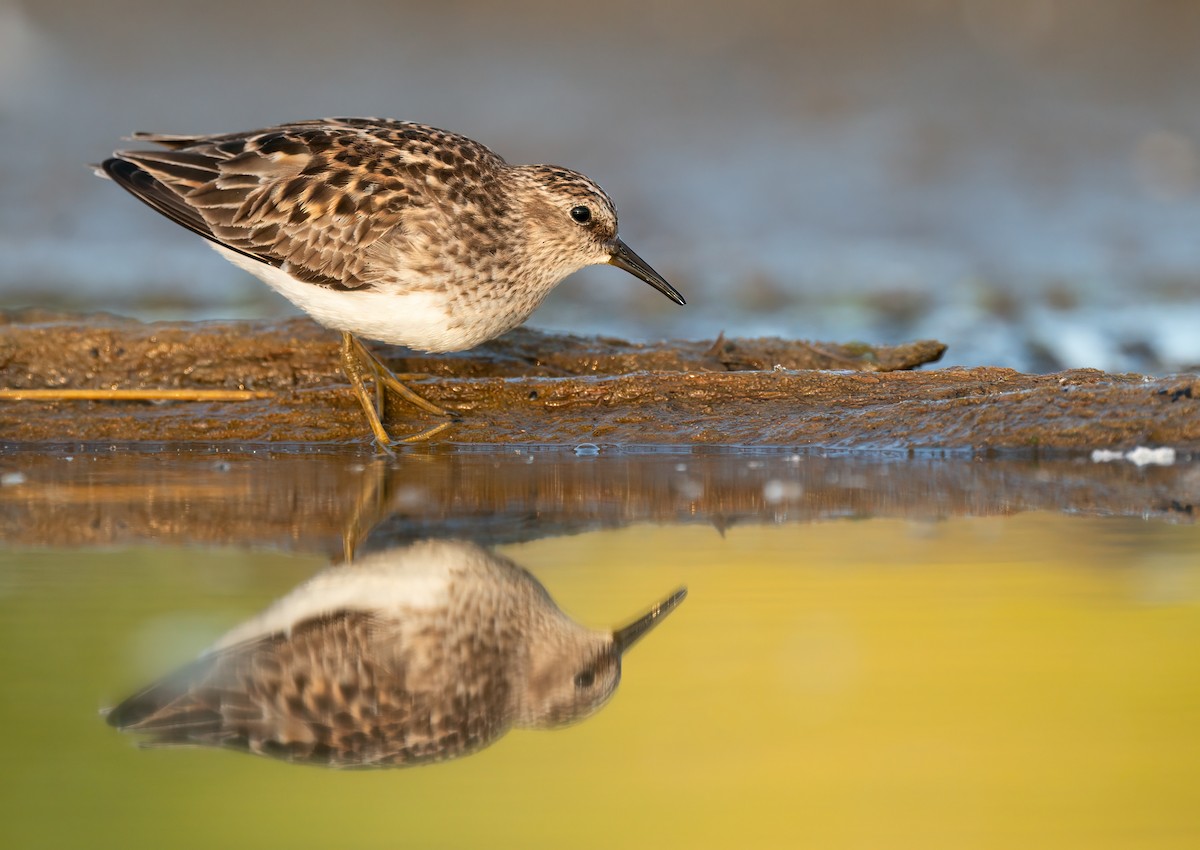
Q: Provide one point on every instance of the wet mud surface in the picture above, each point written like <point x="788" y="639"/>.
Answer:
<point x="535" y="388"/>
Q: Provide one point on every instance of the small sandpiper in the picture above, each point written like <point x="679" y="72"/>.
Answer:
<point x="384" y="230"/>
<point x="410" y="655"/>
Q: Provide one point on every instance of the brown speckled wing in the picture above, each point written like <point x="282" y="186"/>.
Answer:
<point x="312" y="197"/>
<point x="330" y="693"/>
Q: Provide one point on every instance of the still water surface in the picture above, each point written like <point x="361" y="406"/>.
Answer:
<point x="873" y="652"/>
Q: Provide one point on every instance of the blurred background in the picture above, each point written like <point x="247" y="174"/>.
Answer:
<point x="1018" y="178"/>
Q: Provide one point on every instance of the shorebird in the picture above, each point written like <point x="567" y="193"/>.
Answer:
<point x="384" y="230"/>
<point x="411" y="655"/>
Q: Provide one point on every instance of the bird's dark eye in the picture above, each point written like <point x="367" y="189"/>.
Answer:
<point x="584" y="679"/>
<point x="581" y="214"/>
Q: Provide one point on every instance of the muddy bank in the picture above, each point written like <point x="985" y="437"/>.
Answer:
<point x="536" y="388"/>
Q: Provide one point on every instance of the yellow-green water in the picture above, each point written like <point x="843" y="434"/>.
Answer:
<point x="1025" y="681"/>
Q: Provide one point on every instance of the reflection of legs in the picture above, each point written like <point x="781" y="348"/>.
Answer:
<point x="369" y="508"/>
<point x="353" y="356"/>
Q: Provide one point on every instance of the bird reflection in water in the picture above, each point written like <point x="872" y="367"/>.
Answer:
<point x="411" y="655"/>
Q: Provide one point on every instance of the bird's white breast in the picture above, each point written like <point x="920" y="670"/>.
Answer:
<point x="388" y="583"/>
<point x="420" y="319"/>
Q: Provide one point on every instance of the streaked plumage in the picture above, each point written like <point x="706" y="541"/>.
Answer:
<point x="388" y="230"/>
<point x="412" y="655"/>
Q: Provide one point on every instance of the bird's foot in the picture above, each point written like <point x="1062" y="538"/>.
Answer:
<point x="386" y="378"/>
<point x="360" y="364"/>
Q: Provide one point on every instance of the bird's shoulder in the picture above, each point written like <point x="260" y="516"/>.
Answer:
<point x="316" y="195"/>
<point x="358" y="143"/>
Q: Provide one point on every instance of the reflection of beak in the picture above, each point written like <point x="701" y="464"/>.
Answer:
<point x="623" y="258"/>
<point x="627" y="636"/>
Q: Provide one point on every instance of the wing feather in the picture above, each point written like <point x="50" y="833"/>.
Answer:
<point x="291" y="696"/>
<point x="334" y="691"/>
<point x="311" y="197"/>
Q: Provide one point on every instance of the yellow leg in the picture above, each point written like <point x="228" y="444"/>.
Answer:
<point x="353" y="353"/>
<point x="389" y="379"/>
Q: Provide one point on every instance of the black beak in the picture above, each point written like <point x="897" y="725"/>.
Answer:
<point x="627" y="636"/>
<point x="623" y="258"/>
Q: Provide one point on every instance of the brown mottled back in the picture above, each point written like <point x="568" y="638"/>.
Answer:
<point x="316" y="195"/>
<point x="329" y="694"/>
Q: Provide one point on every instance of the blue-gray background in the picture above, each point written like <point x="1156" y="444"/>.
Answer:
<point x="1018" y="178"/>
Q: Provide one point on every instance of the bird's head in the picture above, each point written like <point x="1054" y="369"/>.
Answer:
<point x="571" y="222"/>
<point x="573" y="672"/>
